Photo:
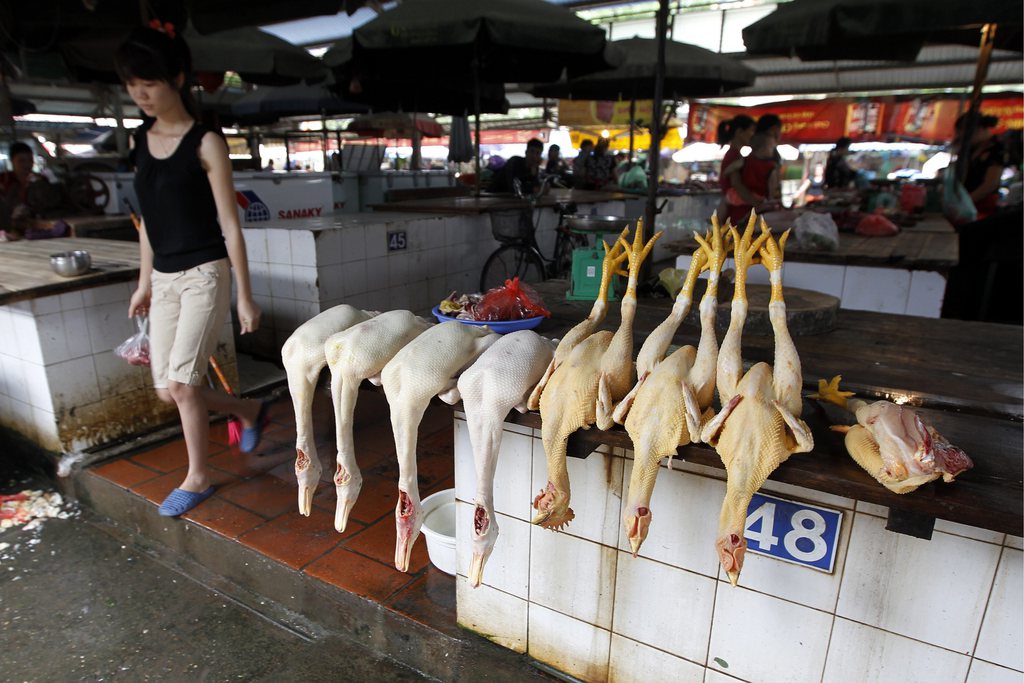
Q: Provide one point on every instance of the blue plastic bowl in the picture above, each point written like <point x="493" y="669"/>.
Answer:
<point x="499" y="326"/>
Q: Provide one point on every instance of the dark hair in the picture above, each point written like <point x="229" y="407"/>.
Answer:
<point x="767" y="122"/>
<point x="19" y="148"/>
<point x="153" y="55"/>
<point x="984" y="121"/>
<point x="843" y="143"/>
<point x="554" y="148"/>
<point x="535" y="143"/>
<point x="727" y="129"/>
<point x="586" y="141"/>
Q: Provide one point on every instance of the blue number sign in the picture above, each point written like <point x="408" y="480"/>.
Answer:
<point x="794" y="532"/>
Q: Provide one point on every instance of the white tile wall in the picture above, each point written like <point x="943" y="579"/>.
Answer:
<point x="26" y="336"/>
<point x="72" y="301"/>
<point x="969" y="531"/>
<point x="507" y="568"/>
<point x="862" y="654"/>
<point x="499" y="616"/>
<point x="816" y="277"/>
<point x="303" y="247"/>
<point x="353" y="244"/>
<point x="279" y="245"/>
<point x="596" y="493"/>
<point x="712" y="676"/>
<point x="882" y="584"/>
<point x="1002" y="630"/>
<point x="875" y="289"/>
<point x="557" y="582"/>
<point x="633" y="662"/>
<point x="927" y="289"/>
<point x="643" y="613"/>
<point x="109" y="325"/>
<point x="760" y="638"/>
<point x="328" y="247"/>
<point x="983" y="672"/>
<point x="576" y="647"/>
<point x="1014" y="542"/>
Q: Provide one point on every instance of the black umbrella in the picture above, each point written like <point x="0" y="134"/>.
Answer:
<point x="891" y="30"/>
<point x="474" y="42"/>
<point x="293" y="100"/>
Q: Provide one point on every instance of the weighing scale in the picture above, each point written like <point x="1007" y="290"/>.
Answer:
<point x="586" y="261"/>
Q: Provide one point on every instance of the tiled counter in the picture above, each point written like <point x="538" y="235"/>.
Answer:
<point x="895" y="608"/>
<point x="302" y="267"/>
<point x="61" y="385"/>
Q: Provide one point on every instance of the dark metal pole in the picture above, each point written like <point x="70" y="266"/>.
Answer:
<point x="632" y="125"/>
<point x="988" y="36"/>
<point x="476" y="112"/>
<point x="653" y="154"/>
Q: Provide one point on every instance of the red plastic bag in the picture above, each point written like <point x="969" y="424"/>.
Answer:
<point x="135" y="349"/>
<point x="875" y="225"/>
<point x="514" y="301"/>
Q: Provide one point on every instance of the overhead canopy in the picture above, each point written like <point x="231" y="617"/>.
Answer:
<point x="880" y="29"/>
<point x="394" y="125"/>
<point x="292" y="100"/>
<point x="690" y="71"/>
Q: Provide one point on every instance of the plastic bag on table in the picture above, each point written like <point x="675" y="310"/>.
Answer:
<point x="135" y="349"/>
<point x="876" y="225"/>
<point x="514" y="300"/>
<point x="815" y="232"/>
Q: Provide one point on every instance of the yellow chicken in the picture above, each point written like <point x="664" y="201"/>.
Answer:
<point x="583" y="390"/>
<point x="758" y="427"/>
<point x="675" y="398"/>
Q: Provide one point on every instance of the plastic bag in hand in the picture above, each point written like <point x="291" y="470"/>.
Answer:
<point x="514" y="300"/>
<point x="135" y="349"/>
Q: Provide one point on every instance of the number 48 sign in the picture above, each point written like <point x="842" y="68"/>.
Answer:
<point x="793" y="532"/>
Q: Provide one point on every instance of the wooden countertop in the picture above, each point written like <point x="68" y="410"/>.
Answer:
<point x="932" y="244"/>
<point x="972" y="393"/>
<point x="499" y="202"/>
<point x="25" y="271"/>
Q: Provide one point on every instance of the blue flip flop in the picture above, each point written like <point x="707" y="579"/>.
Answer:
<point x="251" y="435"/>
<point x="178" y="502"/>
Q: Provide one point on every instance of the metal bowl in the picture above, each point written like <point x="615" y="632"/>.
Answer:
<point x="71" y="263"/>
<point x="582" y="222"/>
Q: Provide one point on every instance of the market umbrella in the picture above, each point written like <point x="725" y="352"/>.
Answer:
<point x="468" y="41"/>
<point x="397" y="125"/>
<point x="891" y="30"/>
<point x="293" y="100"/>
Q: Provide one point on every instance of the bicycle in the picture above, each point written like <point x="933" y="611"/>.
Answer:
<point x="519" y="254"/>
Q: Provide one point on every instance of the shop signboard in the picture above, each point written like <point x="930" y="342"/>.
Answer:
<point x="602" y="113"/>
<point x="807" y="535"/>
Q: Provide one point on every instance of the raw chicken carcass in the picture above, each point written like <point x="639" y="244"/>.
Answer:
<point x="893" y="444"/>
<point x="355" y="354"/>
<point x="303" y="358"/>
<point x="759" y="426"/>
<point x="676" y="397"/>
<point x="609" y="267"/>
<point x="426" y="367"/>
<point x="500" y="380"/>
<point x="583" y="390"/>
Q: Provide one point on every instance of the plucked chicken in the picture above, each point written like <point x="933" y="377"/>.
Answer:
<point x="675" y="400"/>
<point x="893" y="444"/>
<point x="303" y="358"/>
<point x="759" y="426"/>
<point x="500" y="380"/>
<point x="428" y="366"/>
<point x="355" y="354"/>
<point x="583" y="390"/>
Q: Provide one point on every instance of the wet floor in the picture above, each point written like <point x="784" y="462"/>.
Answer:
<point x="78" y="605"/>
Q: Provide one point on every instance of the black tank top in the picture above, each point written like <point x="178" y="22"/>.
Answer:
<point x="177" y="204"/>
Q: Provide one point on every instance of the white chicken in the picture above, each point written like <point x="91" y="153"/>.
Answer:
<point x="426" y="367"/>
<point x="500" y="380"/>
<point x="303" y="358"/>
<point x="355" y="354"/>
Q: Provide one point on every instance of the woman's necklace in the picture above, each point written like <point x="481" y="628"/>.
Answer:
<point x="169" y="143"/>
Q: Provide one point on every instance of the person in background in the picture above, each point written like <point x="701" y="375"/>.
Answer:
<point x="189" y="242"/>
<point x="838" y="174"/>
<point x="634" y="178"/>
<point x="736" y="133"/>
<point x="14" y="191"/>
<point x="986" y="163"/>
<point x="579" y="164"/>
<point x="754" y="180"/>
<point x="767" y="131"/>
<point x="524" y="169"/>
<point x="598" y="169"/>
<point x="269" y="166"/>
<point x="620" y="164"/>
<point x="556" y="164"/>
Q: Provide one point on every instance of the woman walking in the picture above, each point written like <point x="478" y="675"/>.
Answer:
<point x="189" y="242"/>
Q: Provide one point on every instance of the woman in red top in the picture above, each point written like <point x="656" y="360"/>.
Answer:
<point x="736" y="132"/>
<point x="754" y="179"/>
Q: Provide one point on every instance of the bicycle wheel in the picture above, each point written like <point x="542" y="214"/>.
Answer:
<point x="509" y="261"/>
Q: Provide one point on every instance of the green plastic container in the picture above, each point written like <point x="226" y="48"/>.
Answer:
<point x="586" y="274"/>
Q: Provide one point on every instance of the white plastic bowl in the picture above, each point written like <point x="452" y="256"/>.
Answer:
<point x="439" y="529"/>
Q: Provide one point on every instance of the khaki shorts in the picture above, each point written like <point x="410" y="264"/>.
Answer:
<point x="186" y="314"/>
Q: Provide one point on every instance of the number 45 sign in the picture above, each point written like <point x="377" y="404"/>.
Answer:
<point x="793" y="532"/>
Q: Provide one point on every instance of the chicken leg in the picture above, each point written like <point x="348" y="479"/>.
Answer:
<point x="303" y="359"/>
<point x="500" y="380"/>
<point x="426" y="367"/>
<point x="758" y="427"/>
<point x="359" y="353"/>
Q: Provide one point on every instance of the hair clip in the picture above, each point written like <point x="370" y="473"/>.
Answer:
<point x="166" y="27"/>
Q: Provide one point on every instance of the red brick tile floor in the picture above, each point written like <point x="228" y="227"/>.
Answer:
<point x="256" y="502"/>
